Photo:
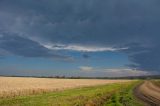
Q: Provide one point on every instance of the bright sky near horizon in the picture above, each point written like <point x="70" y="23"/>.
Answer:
<point x="95" y="38"/>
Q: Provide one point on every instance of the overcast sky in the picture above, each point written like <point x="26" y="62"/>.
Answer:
<point x="79" y="37"/>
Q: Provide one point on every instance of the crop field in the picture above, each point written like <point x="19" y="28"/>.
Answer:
<point x="18" y="86"/>
<point x="80" y="92"/>
<point x="23" y="91"/>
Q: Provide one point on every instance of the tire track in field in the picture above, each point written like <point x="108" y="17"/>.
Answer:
<point x="149" y="93"/>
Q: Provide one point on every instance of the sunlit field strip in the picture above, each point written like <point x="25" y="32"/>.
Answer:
<point x="16" y="86"/>
<point x="86" y="96"/>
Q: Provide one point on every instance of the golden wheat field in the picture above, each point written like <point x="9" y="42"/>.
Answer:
<point x="16" y="86"/>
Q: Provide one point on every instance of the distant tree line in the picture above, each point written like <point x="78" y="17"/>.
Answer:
<point x="79" y="77"/>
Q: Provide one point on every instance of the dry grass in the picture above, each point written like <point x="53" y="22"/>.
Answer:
<point x="16" y="86"/>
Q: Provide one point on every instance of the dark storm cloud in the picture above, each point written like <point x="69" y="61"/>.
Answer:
<point x="108" y="23"/>
<point x="147" y="60"/>
<point x="25" y="47"/>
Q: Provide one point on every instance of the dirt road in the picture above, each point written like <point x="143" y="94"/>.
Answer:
<point x="149" y="93"/>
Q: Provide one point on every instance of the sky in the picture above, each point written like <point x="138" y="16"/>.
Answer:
<point x="88" y="38"/>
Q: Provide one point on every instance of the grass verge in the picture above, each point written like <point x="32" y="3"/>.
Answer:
<point x="124" y="97"/>
<point x="115" y="95"/>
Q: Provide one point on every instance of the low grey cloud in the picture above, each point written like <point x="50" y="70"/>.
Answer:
<point x="86" y="68"/>
<point x="86" y="56"/>
<point x="124" y="72"/>
<point x="112" y="72"/>
<point x="131" y="24"/>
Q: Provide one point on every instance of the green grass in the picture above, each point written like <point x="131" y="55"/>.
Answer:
<point x="124" y="97"/>
<point x="115" y="94"/>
